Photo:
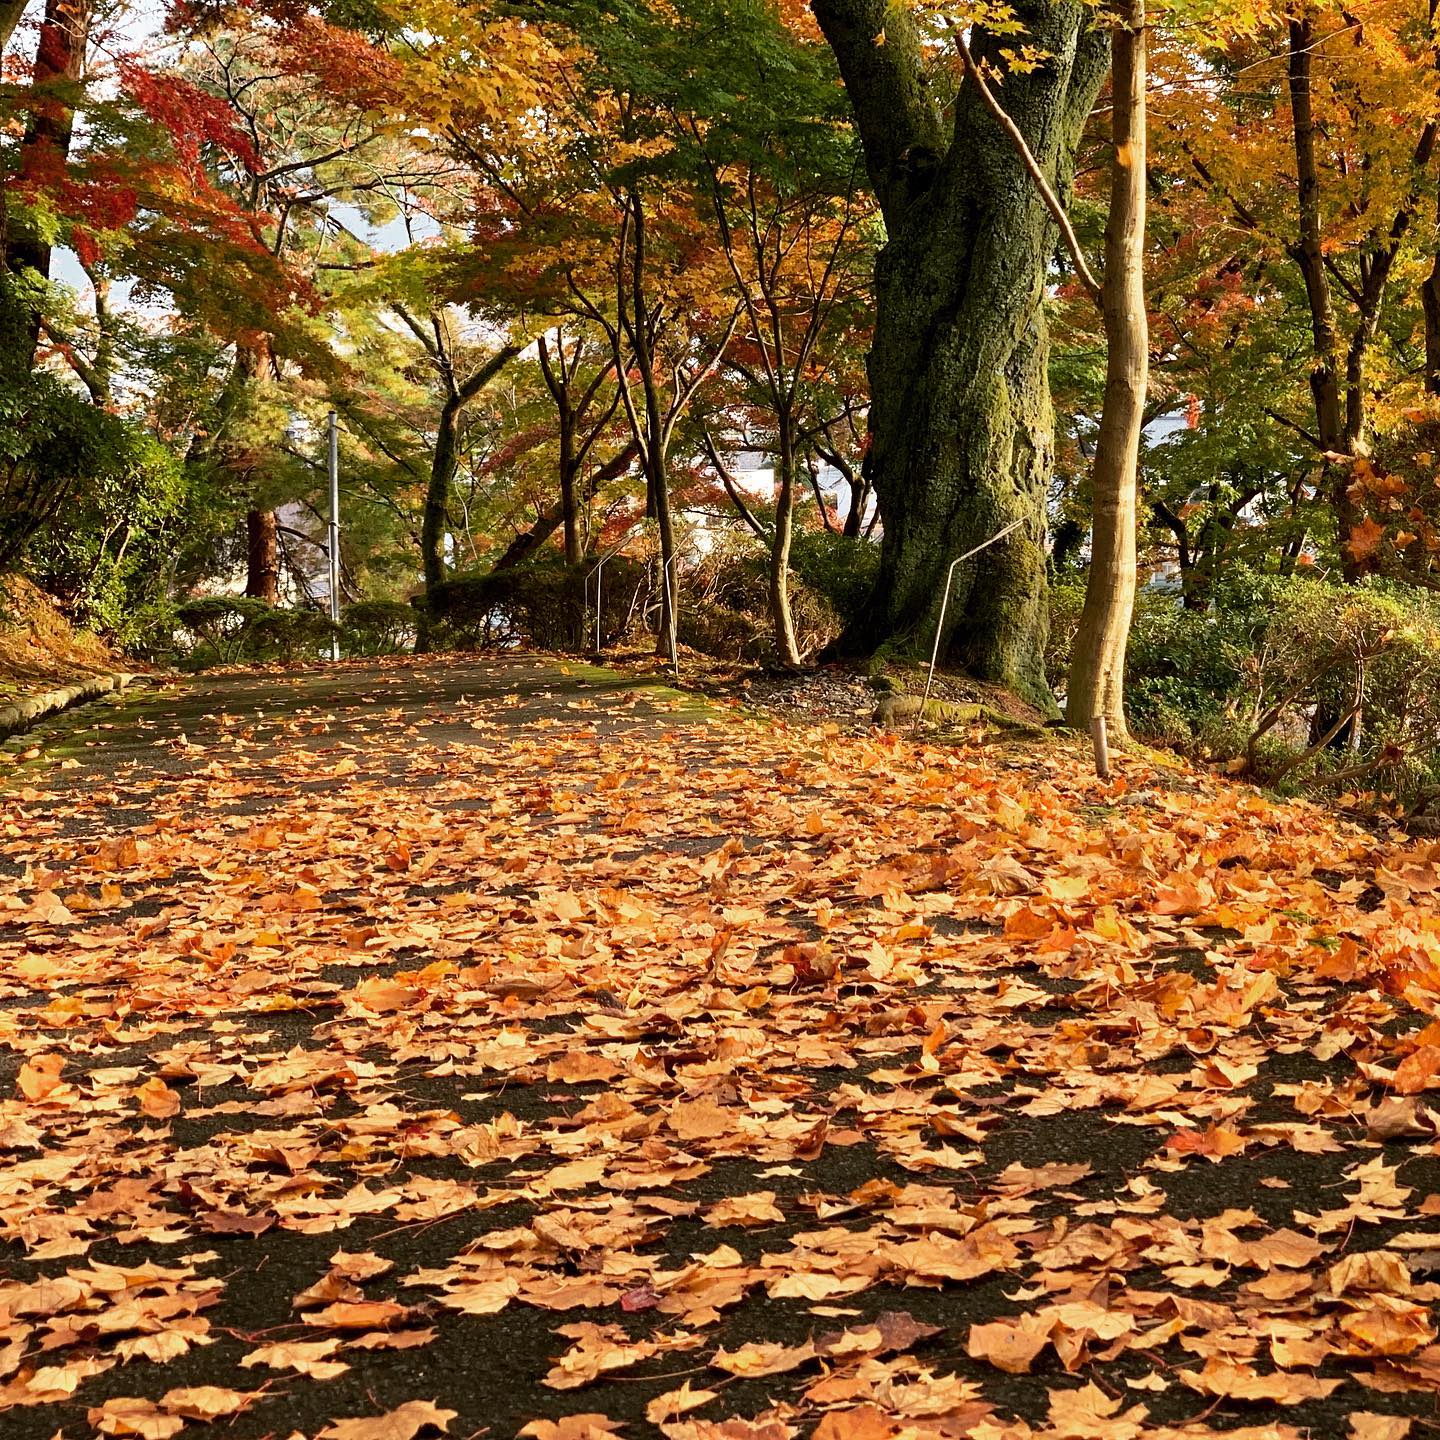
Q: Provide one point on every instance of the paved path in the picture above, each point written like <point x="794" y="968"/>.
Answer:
<point x="536" y="1043"/>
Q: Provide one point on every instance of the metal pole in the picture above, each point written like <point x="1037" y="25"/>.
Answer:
<point x="944" y="603"/>
<point x="334" y="547"/>
<point x="599" y="609"/>
<point x="597" y="570"/>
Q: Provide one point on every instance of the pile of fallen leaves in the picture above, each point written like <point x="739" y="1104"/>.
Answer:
<point x="400" y="1063"/>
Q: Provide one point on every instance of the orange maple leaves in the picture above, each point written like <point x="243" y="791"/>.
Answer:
<point x="836" y="1050"/>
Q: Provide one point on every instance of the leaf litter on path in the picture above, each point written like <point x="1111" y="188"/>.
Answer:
<point x="470" y="1046"/>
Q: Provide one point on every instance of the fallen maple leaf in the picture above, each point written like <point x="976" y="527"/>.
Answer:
<point x="758" y="1208"/>
<point x="573" y="1427"/>
<point x="699" y="1120"/>
<point x="306" y="1356"/>
<point x="863" y="1422"/>
<point x="157" y="1100"/>
<point x="207" y="1402"/>
<point x="1366" y="1425"/>
<point x="1418" y="1070"/>
<point x="359" y="1315"/>
<point x="402" y="1423"/>
<point x="1214" y="1143"/>
<point x="127" y="1416"/>
<point x="39" y="1076"/>
<point x="1009" y="1346"/>
<point x="761" y="1358"/>
<point x="1230" y="1380"/>
<point x="674" y="1403"/>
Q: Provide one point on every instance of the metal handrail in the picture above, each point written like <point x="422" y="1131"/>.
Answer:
<point x="598" y="571"/>
<point x="944" y="603"/>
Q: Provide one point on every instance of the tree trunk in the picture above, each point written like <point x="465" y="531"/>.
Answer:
<point x="10" y="13"/>
<point x="960" y="406"/>
<point x="437" y="494"/>
<point x="787" y="649"/>
<point x="262" y="566"/>
<point x="860" y="488"/>
<point x="444" y="462"/>
<point x="1308" y="253"/>
<point x="1097" y="667"/>
<point x="1431" y="296"/>
<point x="45" y="146"/>
<point x="669" y="580"/>
<point x="569" y="502"/>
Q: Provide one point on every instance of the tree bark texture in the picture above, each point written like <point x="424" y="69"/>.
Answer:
<point x="445" y="459"/>
<point x="960" y="406"/>
<point x="262" y="564"/>
<point x="45" y="146"/>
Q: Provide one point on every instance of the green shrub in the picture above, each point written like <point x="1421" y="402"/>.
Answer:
<point x="545" y="605"/>
<point x="289" y="635"/>
<point x="379" y="627"/>
<point x="722" y="632"/>
<point x="838" y="570"/>
<point x="1183" y="668"/>
<point x="1067" y="595"/>
<point x="1299" y="682"/>
<point x="227" y="629"/>
<point x="725" y="607"/>
<point x="1348" y="677"/>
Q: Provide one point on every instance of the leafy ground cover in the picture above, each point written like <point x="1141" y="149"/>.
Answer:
<point x="491" y="1047"/>
<point x="39" y="650"/>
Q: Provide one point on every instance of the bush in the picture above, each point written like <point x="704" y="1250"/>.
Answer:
<point x="1067" y="596"/>
<point x="289" y="635"/>
<point x="118" y="488"/>
<point x="1349" y="678"/>
<point x="1183" y="671"/>
<point x="722" y="632"/>
<point x="1293" y="680"/>
<point x="379" y="627"/>
<point x="840" y="571"/>
<point x="544" y="605"/>
<point x="227" y="629"/>
<point x="725" y="610"/>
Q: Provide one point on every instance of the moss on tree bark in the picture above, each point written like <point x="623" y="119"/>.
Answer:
<point x="961" y="424"/>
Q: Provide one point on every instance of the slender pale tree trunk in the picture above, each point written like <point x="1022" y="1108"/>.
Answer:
<point x="1097" y="669"/>
<point x="787" y="648"/>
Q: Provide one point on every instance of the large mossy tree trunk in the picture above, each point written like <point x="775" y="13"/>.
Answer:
<point x="962" y="429"/>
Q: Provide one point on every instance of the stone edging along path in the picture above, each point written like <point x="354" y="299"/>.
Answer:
<point x="19" y="717"/>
